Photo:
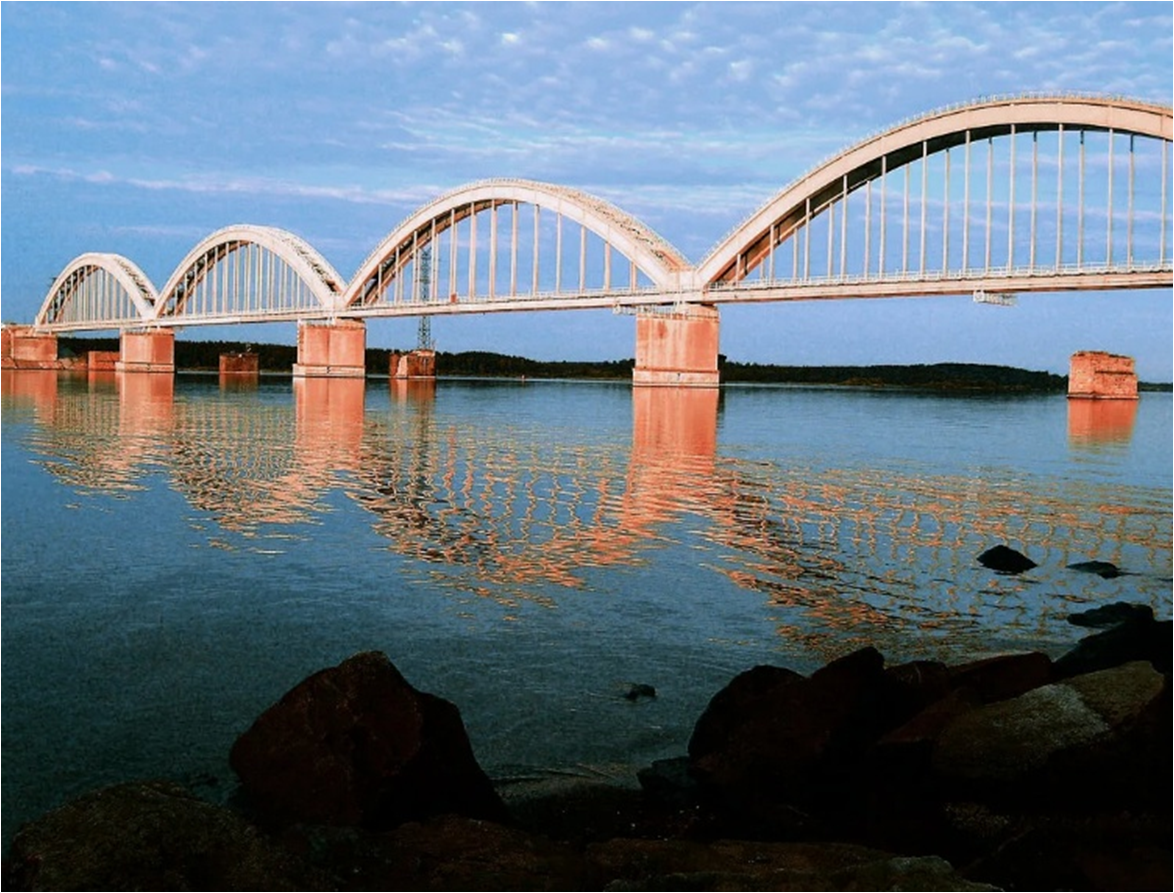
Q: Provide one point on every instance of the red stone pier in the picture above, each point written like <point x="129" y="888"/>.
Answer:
<point x="1102" y="376"/>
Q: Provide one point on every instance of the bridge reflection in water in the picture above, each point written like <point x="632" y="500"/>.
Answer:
<point x="490" y="510"/>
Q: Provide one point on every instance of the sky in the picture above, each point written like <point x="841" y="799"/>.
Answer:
<point x="140" y="128"/>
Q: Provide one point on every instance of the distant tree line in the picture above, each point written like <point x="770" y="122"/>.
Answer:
<point x="205" y="356"/>
<point x="936" y="376"/>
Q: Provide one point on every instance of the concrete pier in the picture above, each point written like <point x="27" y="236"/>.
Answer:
<point x="152" y="350"/>
<point x="247" y="364"/>
<point x="677" y="348"/>
<point x="1098" y="375"/>
<point x="331" y="349"/>
<point x="413" y="364"/>
<point x="22" y="347"/>
<point x="102" y="360"/>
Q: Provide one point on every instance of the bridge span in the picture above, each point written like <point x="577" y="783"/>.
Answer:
<point x="1006" y="195"/>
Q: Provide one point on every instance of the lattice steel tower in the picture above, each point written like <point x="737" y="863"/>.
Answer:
<point x="423" y="292"/>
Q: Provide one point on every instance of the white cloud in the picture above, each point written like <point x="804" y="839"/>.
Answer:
<point x="741" y="70"/>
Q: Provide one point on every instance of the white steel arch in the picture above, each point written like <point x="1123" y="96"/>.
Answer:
<point x="747" y="245"/>
<point x="662" y="263"/>
<point x="312" y="270"/>
<point x="136" y="293"/>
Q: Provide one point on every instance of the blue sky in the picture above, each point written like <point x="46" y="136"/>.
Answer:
<point x="139" y="128"/>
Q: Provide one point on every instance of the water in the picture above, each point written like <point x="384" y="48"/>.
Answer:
<point x="179" y="553"/>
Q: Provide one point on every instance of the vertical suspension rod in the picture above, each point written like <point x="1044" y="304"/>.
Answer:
<point x="1109" y="220"/>
<point x="1011" y="208"/>
<point x="990" y="176"/>
<point x="452" y="253"/>
<point x="807" y="238"/>
<point x="582" y="258"/>
<point x="880" y="264"/>
<point x="966" y="205"/>
<point x="831" y="233"/>
<point x="537" y="232"/>
<point x="1034" y="194"/>
<point x="1165" y="188"/>
<point x="492" y="249"/>
<point x="905" y="226"/>
<point x="946" y="216"/>
<point x="924" y="190"/>
<point x="558" y="252"/>
<point x="844" y="230"/>
<point x="867" y="224"/>
<point x="514" y="251"/>
<point x="472" y="250"/>
<point x="1060" y="198"/>
<point x="433" y="264"/>
<point x="1129" y="210"/>
<point x="1080" y="206"/>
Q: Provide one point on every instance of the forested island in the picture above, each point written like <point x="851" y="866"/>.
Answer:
<point x="204" y="356"/>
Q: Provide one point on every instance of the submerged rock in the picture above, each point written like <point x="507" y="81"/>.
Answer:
<point x="1105" y="569"/>
<point x="1005" y="560"/>
<point x="639" y="690"/>
<point x="1110" y="615"/>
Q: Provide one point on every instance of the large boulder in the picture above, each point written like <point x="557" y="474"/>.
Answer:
<point x="149" y="836"/>
<point x="775" y="748"/>
<point x="1004" y="676"/>
<point x="356" y="744"/>
<point x="1098" y="738"/>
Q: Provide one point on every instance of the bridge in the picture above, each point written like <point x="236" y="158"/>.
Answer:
<point x="1006" y="195"/>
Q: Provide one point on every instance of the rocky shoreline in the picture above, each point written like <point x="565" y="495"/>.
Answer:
<point x="1015" y="772"/>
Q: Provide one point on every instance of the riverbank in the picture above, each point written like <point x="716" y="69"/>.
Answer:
<point x="205" y="355"/>
<point x="1015" y="772"/>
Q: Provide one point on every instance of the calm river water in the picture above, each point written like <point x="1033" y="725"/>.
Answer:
<point x="177" y="553"/>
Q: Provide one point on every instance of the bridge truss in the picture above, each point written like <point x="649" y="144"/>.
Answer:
<point x="1006" y="195"/>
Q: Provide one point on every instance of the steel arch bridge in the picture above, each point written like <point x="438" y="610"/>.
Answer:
<point x="1012" y="194"/>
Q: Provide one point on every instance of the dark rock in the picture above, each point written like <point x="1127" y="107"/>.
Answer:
<point x="455" y="853"/>
<point x="1005" y="560"/>
<point x="742" y="865"/>
<point x="919" y="683"/>
<point x="150" y="836"/>
<point x="1107" y="616"/>
<point x="1092" y="738"/>
<point x="1004" y="676"/>
<point x="1105" y="569"/>
<point x="639" y="690"/>
<point x="776" y="749"/>
<point x="1139" y="639"/>
<point x="1118" y="851"/>
<point x="909" y="747"/>
<point x="580" y="810"/>
<point x="357" y="745"/>
<point x="671" y="783"/>
<point x="747" y="694"/>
